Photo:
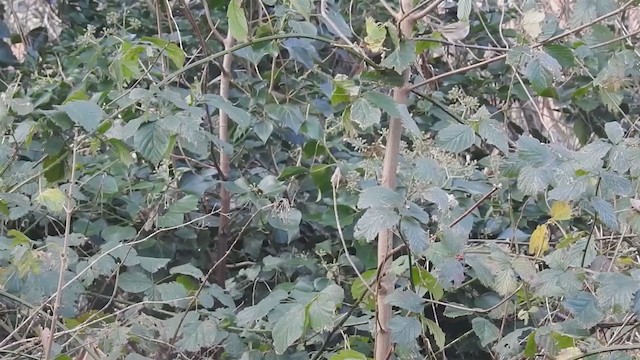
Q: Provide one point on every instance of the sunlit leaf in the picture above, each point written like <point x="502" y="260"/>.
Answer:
<point x="560" y="211"/>
<point x="539" y="242"/>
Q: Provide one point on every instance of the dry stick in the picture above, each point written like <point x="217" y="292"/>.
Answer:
<point x="68" y="208"/>
<point x="220" y="273"/>
<point x="504" y="56"/>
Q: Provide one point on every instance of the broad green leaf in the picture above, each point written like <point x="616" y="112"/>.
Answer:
<point x="238" y="115"/>
<point x="174" y="294"/>
<point x="486" y="331"/>
<point x="401" y="57"/>
<point x="387" y="104"/>
<point x="134" y="282"/>
<point x="303" y="7"/>
<point x="615" y="291"/>
<point x="423" y="278"/>
<point x="174" y="52"/>
<point x="533" y="152"/>
<point x="450" y="274"/>
<point x="116" y="233"/>
<point x="404" y="330"/>
<point x="492" y="132"/>
<point x="532" y="22"/>
<point x="614" y="131"/>
<point x="436" y="331"/>
<point x="237" y="21"/>
<point x="53" y="199"/>
<point x="464" y="9"/>
<point x="560" y="211"/>
<point x="152" y="264"/>
<point x="288" y="329"/>
<point x="563" y="54"/>
<point x="374" y="220"/>
<point x="303" y="27"/>
<point x="379" y="196"/>
<point x="364" y="114"/>
<point x="197" y="335"/>
<point x="414" y="234"/>
<point x="538" y="75"/>
<point x="376" y="34"/>
<point x="288" y="115"/>
<point x="152" y="142"/>
<point x="260" y="310"/>
<point x="407" y="300"/>
<point x="187" y="269"/>
<point x="456" y="137"/>
<point x="85" y="113"/>
<point x="539" y="242"/>
<point x="348" y="354"/>
<point x="584" y="307"/>
<point x="585" y="11"/>
<point x="606" y="212"/>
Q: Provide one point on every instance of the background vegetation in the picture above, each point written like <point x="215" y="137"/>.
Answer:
<point x="298" y="179"/>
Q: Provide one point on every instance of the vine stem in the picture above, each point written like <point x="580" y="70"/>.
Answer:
<point x="68" y="209"/>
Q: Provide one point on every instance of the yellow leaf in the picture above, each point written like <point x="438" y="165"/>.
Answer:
<point x="52" y="199"/>
<point x="539" y="242"/>
<point x="560" y="210"/>
<point x="569" y="353"/>
<point x="376" y="34"/>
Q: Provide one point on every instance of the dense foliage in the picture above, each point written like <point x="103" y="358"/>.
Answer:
<point x="515" y="235"/>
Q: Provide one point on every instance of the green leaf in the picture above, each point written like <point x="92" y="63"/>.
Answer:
<point x="85" y="113"/>
<point x="401" y="57"/>
<point x="456" y="137"/>
<point x="407" y="300"/>
<point x="376" y="34"/>
<point x="533" y="152"/>
<point x="404" y="330"/>
<point x="288" y="329"/>
<point x="187" y="269"/>
<point x="288" y="115"/>
<point x="387" y="104"/>
<point x="152" y="264"/>
<point x="303" y="7"/>
<point x="606" y="212"/>
<point x="174" y="293"/>
<point x="238" y="115"/>
<point x="152" y="142"/>
<point x="348" y="354"/>
<point x="134" y="282"/>
<point x="197" y="335"/>
<point x="237" y="21"/>
<point x="532" y="22"/>
<point x="584" y="307"/>
<point x="174" y="52"/>
<point x="260" y="310"/>
<point x="485" y="330"/>
<point x="614" y="131"/>
<point x="464" y="9"/>
<point x="364" y="114"/>
<point x="117" y="233"/>
<point x="423" y="278"/>
<point x="373" y="221"/>
<point x="436" y="331"/>
<point x="53" y="199"/>
<point x="414" y="234"/>
<point x="539" y="77"/>
<point x="377" y="196"/>
<point x="615" y="291"/>
<point x="563" y="54"/>
<point x="492" y="132"/>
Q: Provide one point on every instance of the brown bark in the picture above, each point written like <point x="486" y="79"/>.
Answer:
<point x="222" y="241"/>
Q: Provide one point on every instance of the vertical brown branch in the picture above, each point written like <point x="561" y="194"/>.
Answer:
<point x="383" y="346"/>
<point x="220" y="273"/>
